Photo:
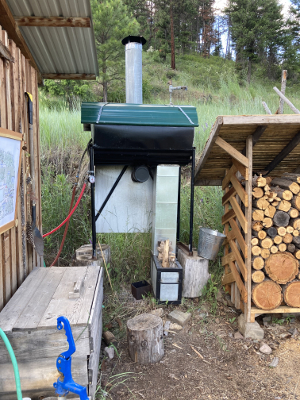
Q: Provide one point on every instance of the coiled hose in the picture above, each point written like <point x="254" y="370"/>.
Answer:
<point x="14" y="363"/>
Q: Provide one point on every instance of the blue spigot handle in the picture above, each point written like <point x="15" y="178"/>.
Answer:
<point x="63" y="322"/>
<point x="65" y="383"/>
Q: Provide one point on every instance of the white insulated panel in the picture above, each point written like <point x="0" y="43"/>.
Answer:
<point x="130" y="207"/>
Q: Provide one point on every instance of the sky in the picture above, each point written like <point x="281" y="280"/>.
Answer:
<point x="220" y="4"/>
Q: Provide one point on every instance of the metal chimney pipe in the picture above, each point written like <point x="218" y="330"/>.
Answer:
<point x="133" y="68"/>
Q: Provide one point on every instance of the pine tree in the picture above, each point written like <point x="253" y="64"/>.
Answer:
<point x="256" y="31"/>
<point x="112" y="22"/>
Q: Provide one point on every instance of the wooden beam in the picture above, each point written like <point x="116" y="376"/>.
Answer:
<point x="256" y="136"/>
<point x="209" y="182"/>
<point x="241" y="168"/>
<point x="75" y="22"/>
<point x="239" y="259"/>
<point x="264" y="119"/>
<point x="284" y="153"/>
<point x="228" y="195"/>
<point x="227" y="216"/>
<point x="227" y="258"/>
<point x="235" y="233"/>
<point x="226" y="180"/>
<point x="240" y="190"/>
<point x="232" y="151"/>
<point x="238" y="281"/>
<point x="288" y="102"/>
<point x="228" y="278"/>
<point x="5" y="53"/>
<point x="9" y="25"/>
<point x="87" y="77"/>
<point x="208" y="146"/>
<point x="278" y="310"/>
<point x="248" y="231"/>
<point x="239" y="214"/>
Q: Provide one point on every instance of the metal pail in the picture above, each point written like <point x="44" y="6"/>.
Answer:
<point x="209" y="243"/>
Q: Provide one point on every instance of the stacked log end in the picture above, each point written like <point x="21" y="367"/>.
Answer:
<point x="275" y="244"/>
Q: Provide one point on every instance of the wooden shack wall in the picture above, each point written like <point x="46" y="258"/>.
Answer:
<point x="17" y="257"/>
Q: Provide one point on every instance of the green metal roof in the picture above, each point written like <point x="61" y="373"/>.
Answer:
<point x="138" y="114"/>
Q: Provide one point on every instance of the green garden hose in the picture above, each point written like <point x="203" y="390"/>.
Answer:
<point x="14" y="363"/>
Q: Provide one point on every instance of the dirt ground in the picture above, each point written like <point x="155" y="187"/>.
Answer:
<point x="231" y="368"/>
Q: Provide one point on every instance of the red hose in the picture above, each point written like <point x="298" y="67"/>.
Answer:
<point x="70" y="215"/>
<point x="66" y="229"/>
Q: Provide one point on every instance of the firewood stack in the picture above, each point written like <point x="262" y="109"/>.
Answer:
<point x="165" y="256"/>
<point x="276" y="241"/>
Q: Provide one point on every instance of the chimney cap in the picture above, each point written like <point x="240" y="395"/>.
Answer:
<point x="134" y="39"/>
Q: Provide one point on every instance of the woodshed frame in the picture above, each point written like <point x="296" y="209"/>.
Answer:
<point x="239" y="147"/>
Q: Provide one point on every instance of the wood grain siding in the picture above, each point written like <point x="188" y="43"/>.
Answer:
<point x="17" y="257"/>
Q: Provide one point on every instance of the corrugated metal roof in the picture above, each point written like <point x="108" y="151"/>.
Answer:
<point x="56" y="50"/>
<point x="138" y="114"/>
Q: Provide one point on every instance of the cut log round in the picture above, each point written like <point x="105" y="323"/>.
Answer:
<point x="254" y="241"/>
<point x="287" y="238"/>
<point x="287" y="184"/>
<point x="281" y="218"/>
<point x="270" y="211"/>
<point x="277" y="239"/>
<point x="256" y="250"/>
<point x="275" y="203"/>
<point x="296" y="202"/>
<point x="295" y="223"/>
<point x="258" y="215"/>
<point x="261" y="235"/>
<point x="297" y="254"/>
<point x="267" y="295"/>
<point x="291" y="294"/>
<point x="282" y="193"/>
<point x="269" y="180"/>
<point x="294" y="213"/>
<point x="291" y="248"/>
<point x="259" y="181"/>
<point x="257" y="193"/>
<point x="261" y="203"/>
<point x="258" y="276"/>
<point x="289" y="229"/>
<point x="257" y="226"/>
<point x="258" y="263"/>
<point x="282" y="267"/>
<point x="295" y="233"/>
<point x="265" y="253"/>
<point x="296" y="241"/>
<point x="284" y="205"/>
<point x="266" y="243"/>
<point x="281" y="231"/>
<point x="282" y="247"/>
<point x="267" y="222"/>
<point x="274" y="249"/>
<point x="272" y="232"/>
<point x="145" y="338"/>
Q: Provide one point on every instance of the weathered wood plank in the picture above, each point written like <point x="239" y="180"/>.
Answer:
<point x="240" y="190"/>
<point x="228" y="216"/>
<point x="244" y="171"/>
<point x="89" y="289"/>
<point x="238" y="281"/>
<point x="232" y="151"/>
<point x="75" y="22"/>
<point x="239" y="259"/>
<point x="248" y="232"/>
<point x="227" y="257"/>
<point x="11" y="312"/>
<point x="86" y="77"/>
<point x="36" y="306"/>
<point x="239" y="214"/>
<point x="228" y="176"/>
<point x="231" y="192"/>
<point x="228" y="278"/>
<point x="235" y="233"/>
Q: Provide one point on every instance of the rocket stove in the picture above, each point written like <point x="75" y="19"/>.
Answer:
<point x="136" y="154"/>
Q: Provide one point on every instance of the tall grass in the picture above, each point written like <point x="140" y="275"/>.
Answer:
<point x="213" y="88"/>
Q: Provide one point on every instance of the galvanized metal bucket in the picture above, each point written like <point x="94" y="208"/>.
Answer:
<point x="209" y="243"/>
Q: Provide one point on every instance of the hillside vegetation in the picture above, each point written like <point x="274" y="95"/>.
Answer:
<point x="214" y="88"/>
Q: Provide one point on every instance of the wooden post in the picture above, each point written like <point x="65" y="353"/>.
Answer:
<point x="283" y="86"/>
<point x="268" y="111"/>
<point x="248" y="212"/>
<point x="288" y="102"/>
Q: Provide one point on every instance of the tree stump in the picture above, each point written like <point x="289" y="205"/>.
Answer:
<point x="282" y="267"/>
<point x="267" y="295"/>
<point x="291" y="293"/>
<point x="145" y="338"/>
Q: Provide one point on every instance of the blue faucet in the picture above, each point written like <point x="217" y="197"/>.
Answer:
<point x="65" y="382"/>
